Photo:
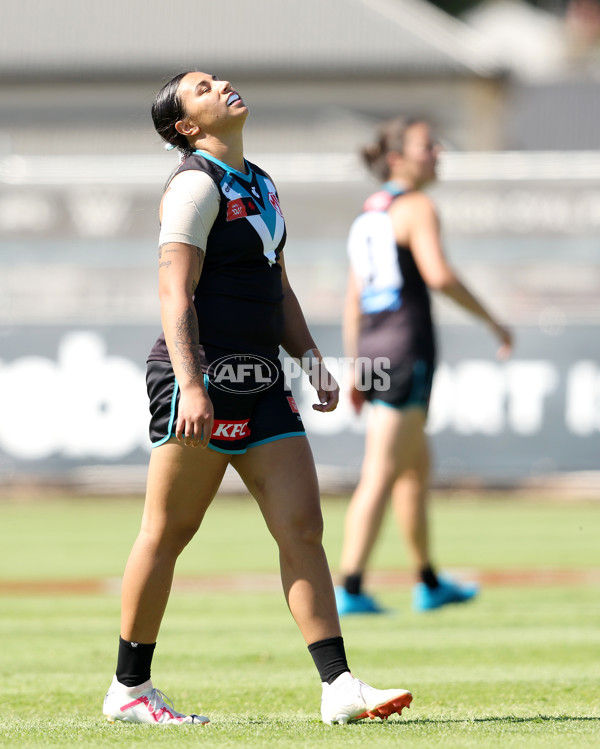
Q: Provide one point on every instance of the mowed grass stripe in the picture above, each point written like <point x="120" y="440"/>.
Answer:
<point x="516" y="668"/>
<point x="86" y="540"/>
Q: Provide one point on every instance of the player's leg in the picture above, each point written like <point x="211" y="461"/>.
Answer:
<point x="281" y="476"/>
<point x="410" y="496"/>
<point x="182" y="482"/>
<point x="409" y="502"/>
<point x="389" y="451"/>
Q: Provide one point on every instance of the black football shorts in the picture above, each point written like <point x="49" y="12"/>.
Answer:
<point x="402" y="386"/>
<point x="242" y="419"/>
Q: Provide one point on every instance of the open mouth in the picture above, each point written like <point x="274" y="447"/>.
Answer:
<point x="233" y="98"/>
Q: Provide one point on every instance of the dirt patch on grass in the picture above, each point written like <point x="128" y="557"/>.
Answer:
<point x="268" y="582"/>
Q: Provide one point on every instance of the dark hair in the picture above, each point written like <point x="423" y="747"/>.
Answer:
<point x="168" y="109"/>
<point x="390" y="137"/>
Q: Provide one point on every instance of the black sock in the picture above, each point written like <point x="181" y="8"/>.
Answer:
<point x="353" y="584"/>
<point x="133" y="663"/>
<point x="330" y="658"/>
<point x="429" y="577"/>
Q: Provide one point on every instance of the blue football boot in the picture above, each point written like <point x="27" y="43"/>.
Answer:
<point x="360" y="603"/>
<point x="448" y="591"/>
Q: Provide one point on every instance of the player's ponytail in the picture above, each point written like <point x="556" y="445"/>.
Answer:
<point x="389" y="137"/>
<point x="167" y="110"/>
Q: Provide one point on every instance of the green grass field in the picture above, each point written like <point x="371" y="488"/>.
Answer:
<point x="518" y="668"/>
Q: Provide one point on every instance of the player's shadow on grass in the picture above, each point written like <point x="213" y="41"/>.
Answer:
<point x="407" y="722"/>
<point x="501" y="719"/>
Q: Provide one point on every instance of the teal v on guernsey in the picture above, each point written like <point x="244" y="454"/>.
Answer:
<point x="252" y="196"/>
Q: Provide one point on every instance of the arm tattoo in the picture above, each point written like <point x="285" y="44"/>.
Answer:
<point x="164" y="249"/>
<point x="187" y="344"/>
<point x="161" y="249"/>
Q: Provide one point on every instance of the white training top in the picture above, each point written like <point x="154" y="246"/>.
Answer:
<point x="374" y="259"/>
<point x="189" y="208"/>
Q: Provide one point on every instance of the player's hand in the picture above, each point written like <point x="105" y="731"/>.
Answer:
<point x="327" y="389"/>
<point x="195" y="417"/>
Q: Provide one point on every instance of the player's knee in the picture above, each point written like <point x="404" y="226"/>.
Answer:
<point x="173" y="537"/>
<point x="307" y="529"/>
<point x="183" y="535"/>
<point x="379" y="479"/>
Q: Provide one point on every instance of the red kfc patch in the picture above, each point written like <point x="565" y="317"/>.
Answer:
<point x="230" y="430"/>
<point x="292" y="403"/>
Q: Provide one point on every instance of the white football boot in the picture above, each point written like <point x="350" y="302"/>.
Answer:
<point x="144" y="704"/>
<point x="349" y="699"/>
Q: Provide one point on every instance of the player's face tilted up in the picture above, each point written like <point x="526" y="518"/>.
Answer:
<point x="211" y="106"/>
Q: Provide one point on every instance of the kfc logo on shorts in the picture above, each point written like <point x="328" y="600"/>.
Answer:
<point x="274" y="201"/>
<point x="292" y="403"/>
<point x="230" y="430"/>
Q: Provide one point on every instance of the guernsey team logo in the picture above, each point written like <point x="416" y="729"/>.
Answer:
<point x="274" y="201"/>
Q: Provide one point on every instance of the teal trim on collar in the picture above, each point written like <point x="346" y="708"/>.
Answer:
<point x="210" y="157"/>
<point x="394" y="188"/>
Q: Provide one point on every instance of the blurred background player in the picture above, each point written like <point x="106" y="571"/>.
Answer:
<point x="224" y="292"/>
<point x="395" y="255"/>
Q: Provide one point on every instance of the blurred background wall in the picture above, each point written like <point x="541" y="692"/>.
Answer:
<point x="513" y="89"/>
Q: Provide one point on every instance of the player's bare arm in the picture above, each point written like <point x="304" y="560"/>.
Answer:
<point x="178" y="278"/>
<point x="350" y="331"/>
<point x="426" y="246"/>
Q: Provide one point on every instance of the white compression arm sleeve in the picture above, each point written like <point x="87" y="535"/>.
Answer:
<point x="189" y="209"/>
